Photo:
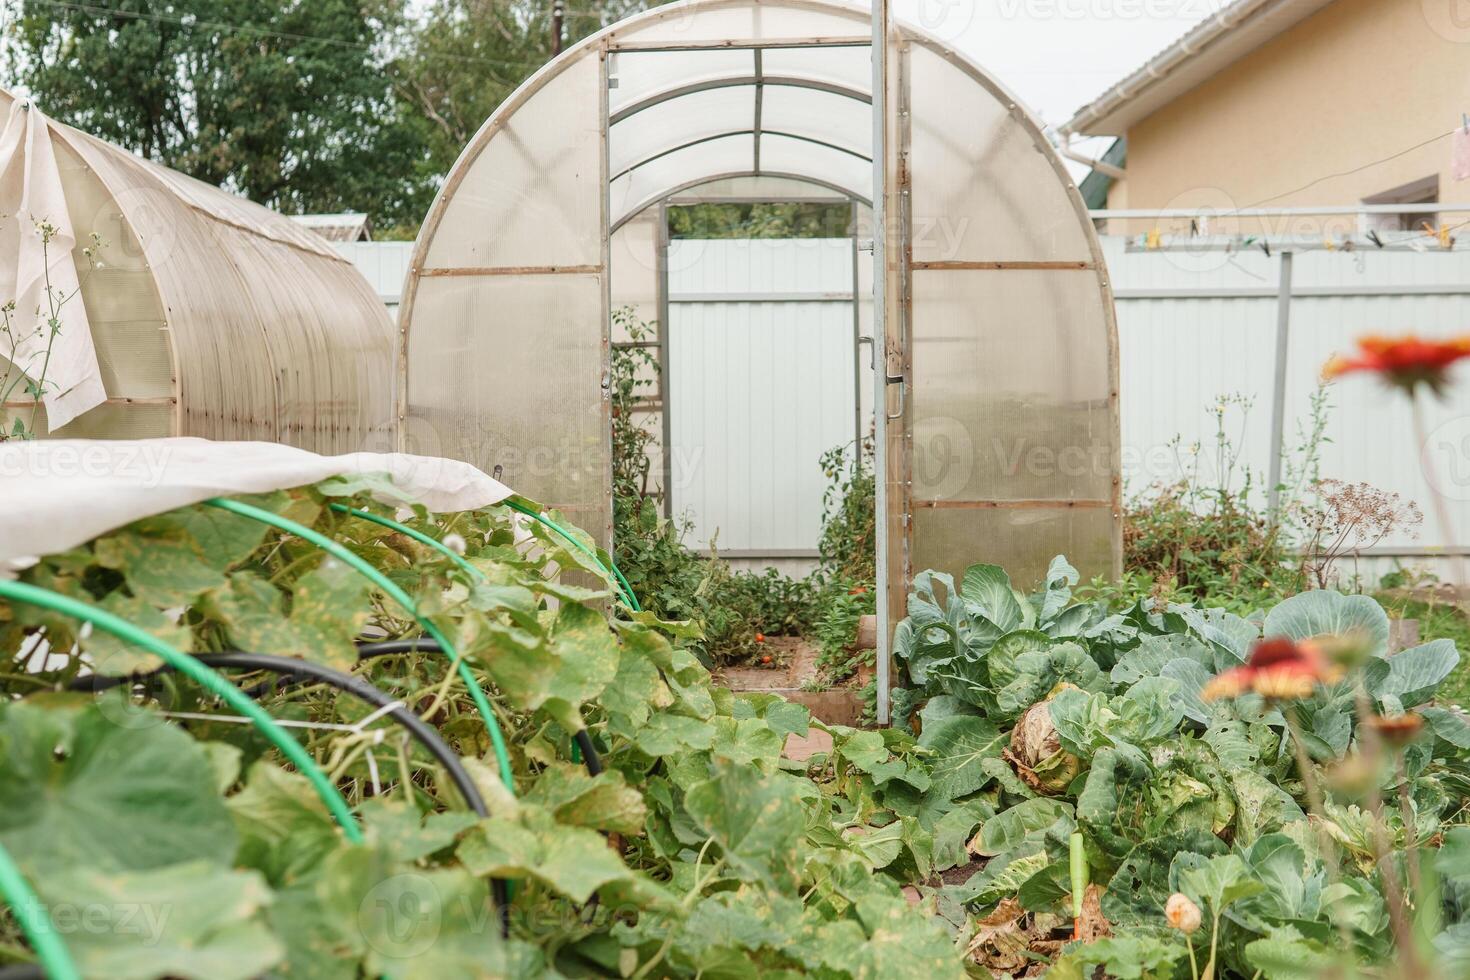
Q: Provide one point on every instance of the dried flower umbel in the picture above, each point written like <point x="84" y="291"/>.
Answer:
<point x="1347" y="518"/>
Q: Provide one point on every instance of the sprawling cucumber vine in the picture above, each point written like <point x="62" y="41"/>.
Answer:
<point x="1057" y="795"/>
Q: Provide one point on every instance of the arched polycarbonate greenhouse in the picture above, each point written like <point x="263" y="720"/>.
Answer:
<point x="212" y="316"/>
<point x="999" y="346"/>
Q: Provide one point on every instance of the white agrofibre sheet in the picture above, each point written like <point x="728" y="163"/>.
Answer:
<point x="57" y="494"/>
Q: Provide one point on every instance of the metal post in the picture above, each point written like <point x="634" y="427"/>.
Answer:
<point x="880" y="347"/>
<point x="666" y="431"/>
<point x="857" y="343"/>
<point x="558" y="10"/>
<point x="1278" y="392"/>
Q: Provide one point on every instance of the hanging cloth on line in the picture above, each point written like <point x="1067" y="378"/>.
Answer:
<point x="1460" y="153"/>
<point x="31" y="194"/>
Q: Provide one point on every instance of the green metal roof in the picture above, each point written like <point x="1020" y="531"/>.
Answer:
<point x="1095" y="185"/>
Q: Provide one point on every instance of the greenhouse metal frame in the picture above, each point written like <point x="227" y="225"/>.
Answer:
<point x="999" y="374"/>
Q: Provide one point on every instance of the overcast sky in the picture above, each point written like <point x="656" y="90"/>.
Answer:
<point x="1058" y="55"/>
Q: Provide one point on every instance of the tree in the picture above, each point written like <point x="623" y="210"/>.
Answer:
<point x="289" y="103"/>
<point x="467" y="56"/>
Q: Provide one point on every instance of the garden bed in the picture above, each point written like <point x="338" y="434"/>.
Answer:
<point x="795" y="675"/>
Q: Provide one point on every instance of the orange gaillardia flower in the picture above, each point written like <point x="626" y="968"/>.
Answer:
<point x="1278" y="669"/>
<point x="1404" y="362"/>
<point x="1398" y="730"/>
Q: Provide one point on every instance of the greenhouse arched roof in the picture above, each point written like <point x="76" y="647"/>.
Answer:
<point x="213" y="316"/>
<point x="1000" y="344"/>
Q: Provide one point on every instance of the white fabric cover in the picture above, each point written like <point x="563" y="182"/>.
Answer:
<point x="31" y="192"/>
<point x="57" y="494"/>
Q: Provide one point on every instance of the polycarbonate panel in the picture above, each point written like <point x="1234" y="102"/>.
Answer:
<point x="671" y="124"/>
<point x="110" y="420"/>
<point x="532" y="195"/>
<point x="134" y="358"/>
<point x="269" y="335"/>
<point x="641" y="74"/>
<point x="634" y="191"/>
<point x="782" y="154"/>
<point x="118" y="291"/>
<point x="851" y="67"/>
<point x="634" y="259"/>
<point x="740" y="21"/>
<point x="816" y="114"/>
<point x="983" y="190"/>
<point x="1011" y="387"/>
<point x="507" y="371"/>
<point x="763" y="187"/>
<point x="1021" y="540"/>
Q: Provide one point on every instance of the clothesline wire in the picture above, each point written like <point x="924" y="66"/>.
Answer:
<point x="1348" y="173"/>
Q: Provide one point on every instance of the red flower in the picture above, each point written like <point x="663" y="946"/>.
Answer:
<point x="1405" y="362"/>
<point x="1278" y="669"/>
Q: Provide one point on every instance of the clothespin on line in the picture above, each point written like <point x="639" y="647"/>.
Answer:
<point x="1442" y="233"/>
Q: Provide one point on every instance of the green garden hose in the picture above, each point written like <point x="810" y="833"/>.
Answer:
<point x="418" y="536"/>
<point x="336" y="550"/>
<point x="28" y="911"/>
<point x="614" y="573"/>
<point x="201" y="675"/>
<point x="578" y="751"/>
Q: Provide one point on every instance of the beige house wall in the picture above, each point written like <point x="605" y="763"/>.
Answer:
<point x="1293" y="123"/>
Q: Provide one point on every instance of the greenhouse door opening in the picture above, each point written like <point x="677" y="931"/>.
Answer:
<point x="735" y="299"/>
<point x="998" y="414"/>
<point x="762" y="382"/>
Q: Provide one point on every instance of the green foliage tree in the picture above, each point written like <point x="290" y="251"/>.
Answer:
<point x="467" y="56"/>
<point x="287" y="103"/>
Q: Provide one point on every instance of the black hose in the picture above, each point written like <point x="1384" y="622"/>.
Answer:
<point x="356" y="686"/>
<point x="295" y="670"/>
<point x="411" y="645"/>
<point x="589" y="753"/>
<point x="425" y="644"/>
